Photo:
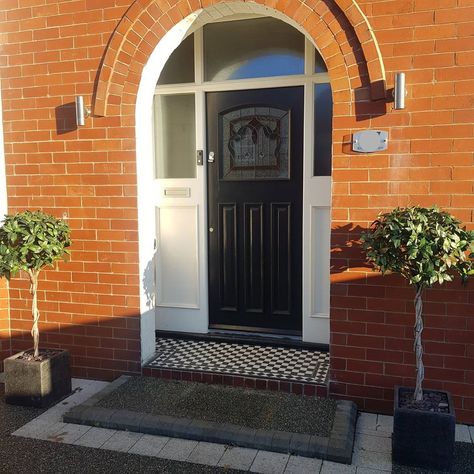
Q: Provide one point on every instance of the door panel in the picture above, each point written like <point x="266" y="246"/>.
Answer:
<point x="255" y="209"/>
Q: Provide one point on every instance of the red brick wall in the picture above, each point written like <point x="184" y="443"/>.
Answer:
<point x="52" y="51"/>
<point x="429" y="161"/>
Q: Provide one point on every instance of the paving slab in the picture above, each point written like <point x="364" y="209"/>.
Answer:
<point x="67" y="433"/>
<point x="373" y="443"/>
<point x="372" y="460"/>
<point x="95" y="437"/>
<point x="266" y="462"/>
<point x="302" y="465"/>
<point x="178" y="449"/>
<point x="366" y="422"/>
<point x="122" y="441"/>
<point x="385" y="423"/>
<point x="471" y="431"/>
<point x="238" y="458"/>
<point x="330" y="467"/>
<point x="207" y="453"/>
<point x="365" y="470"/>
<point x="463" y="434"/>
<point x="149" y="445"/>
<point x="34" y="428"/>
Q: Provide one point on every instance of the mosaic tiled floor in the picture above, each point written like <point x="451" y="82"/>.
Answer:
<point x="283" y="363"/>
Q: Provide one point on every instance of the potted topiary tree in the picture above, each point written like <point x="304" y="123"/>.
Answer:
<point x="29" y="242"/>
<point x="427" y="247"/>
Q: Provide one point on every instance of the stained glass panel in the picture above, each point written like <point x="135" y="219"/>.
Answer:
<point x="254" y="144"/>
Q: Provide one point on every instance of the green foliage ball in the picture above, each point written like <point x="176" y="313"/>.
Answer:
<point x="30" y="241"/>
<point x="424" y="245"/>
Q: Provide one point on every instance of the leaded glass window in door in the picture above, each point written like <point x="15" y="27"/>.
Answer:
<point x="254" y="143"/>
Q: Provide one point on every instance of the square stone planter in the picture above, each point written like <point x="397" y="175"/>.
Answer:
<point x="37" y="383"/>
<point x="423" y="438"/>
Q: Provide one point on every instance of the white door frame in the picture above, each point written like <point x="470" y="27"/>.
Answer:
<point x="151" y="195"/>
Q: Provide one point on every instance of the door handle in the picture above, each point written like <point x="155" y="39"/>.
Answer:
<point x="210" y="158"/>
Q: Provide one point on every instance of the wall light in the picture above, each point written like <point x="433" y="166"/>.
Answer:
<point x="82" y="112"/>
<point x="399" y="91"/>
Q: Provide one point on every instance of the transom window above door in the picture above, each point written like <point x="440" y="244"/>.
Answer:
<point x="250" y="53"/>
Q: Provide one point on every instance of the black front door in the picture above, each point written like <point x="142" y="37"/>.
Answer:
<point x="255" y="209"/>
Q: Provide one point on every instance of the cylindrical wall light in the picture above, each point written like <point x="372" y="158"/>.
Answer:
<point x="82" y="112"/>
<point x="399" y="91"/>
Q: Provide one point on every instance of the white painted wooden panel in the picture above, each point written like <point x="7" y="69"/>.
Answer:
<point x="177" y="268"/>
<point x="320" y="263"/>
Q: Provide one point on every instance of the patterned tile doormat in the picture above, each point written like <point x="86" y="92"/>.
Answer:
<point x="282" y="363"/>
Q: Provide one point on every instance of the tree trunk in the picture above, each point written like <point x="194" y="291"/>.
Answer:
<point x="34" y="310"/>
<point x="418" y="330"/>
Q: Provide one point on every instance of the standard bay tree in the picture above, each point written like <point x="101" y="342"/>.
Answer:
<point x="427" y="246"/>
<point x="29" y="242"/>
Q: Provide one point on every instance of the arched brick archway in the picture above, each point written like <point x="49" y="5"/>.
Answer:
<point x="338" y="28"/>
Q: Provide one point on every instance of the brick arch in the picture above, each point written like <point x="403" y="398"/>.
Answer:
<point x="339" y="28"/>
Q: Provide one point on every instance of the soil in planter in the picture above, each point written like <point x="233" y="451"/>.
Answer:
<point x="436" y="402"/>
<point x="43" y="355"/>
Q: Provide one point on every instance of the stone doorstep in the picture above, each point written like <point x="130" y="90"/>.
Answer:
<point x="336" y="447"/>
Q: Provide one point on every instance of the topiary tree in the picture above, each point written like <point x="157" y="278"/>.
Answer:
<point x="31" y="241"/>
<point x="425" y="246"/>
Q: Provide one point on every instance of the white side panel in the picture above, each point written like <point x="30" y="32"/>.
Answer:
<point x="177" y="265"/>
<point x="151" y="192"/>
<point x="316" y="241"/>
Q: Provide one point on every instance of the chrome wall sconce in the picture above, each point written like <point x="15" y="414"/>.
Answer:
<point x="82" y="112"/>
<point x="399" y="91"/>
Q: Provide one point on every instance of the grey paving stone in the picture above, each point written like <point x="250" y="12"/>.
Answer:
<point x="462" y="434"/>
<point x="238" y="458"/>
<point x="269" y="463"/>
<point x="330" y="467"/>
<point x="373" y="443"/>
<point x="149" y="445"/>
<point x="385" y="423"/>
<point x="366" y="422"/>
<point x="364" y="470"/>
<point x="178" y="449"/>
<point x="372" y="460"/>
<point x="380" y="434"/>
<point x="53" y="414"/>
<point x="66" y="433"/>
<point x="34" y="428"/>
<point x="301" y="465"/>
<point x="95" y="437"/>
<point x="122" y="441"/>
<point x="207" y="453"/>
<point x="471" y="431"/>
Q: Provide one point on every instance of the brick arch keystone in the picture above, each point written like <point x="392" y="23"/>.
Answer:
<point x="339" y="28"/>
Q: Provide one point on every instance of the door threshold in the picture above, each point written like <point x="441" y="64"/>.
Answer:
<point x="241" y="337"/>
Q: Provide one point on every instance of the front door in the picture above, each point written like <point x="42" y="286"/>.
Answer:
<point x="255" y="180"/>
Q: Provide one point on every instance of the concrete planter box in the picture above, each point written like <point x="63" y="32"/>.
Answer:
<point x="423" y="438"/>
<point x="37" y="383"/>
